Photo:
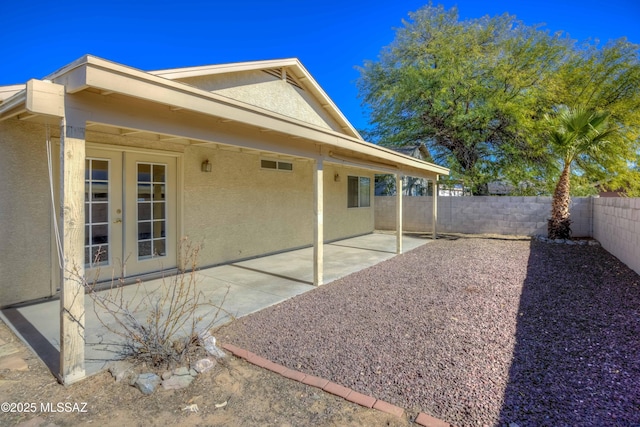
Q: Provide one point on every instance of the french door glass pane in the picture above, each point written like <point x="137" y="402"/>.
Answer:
<point x="144" y="211"/>
<point x="144" y="249"/>
<point x="151" y="208"/>
<point x="144" y="192"/>
<point x="144" y="230"/>
<point x="158" y="192"/>
<point x="159" y="172"/>
<point x="96" y="185"/>
<point x="158" y="210"/>
<point x="144" y="172"/>
<point x="158" y="246"/>
<point x="100" y="212"/>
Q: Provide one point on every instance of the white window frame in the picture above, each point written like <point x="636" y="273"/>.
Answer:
<point x="363" y="199"/>
<point x="280" y="165"/>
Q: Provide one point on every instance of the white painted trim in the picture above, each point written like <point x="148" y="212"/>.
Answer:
<point x="318" y="222"/>
<point x="399" y="191"/>
<point x="434" y="207"/>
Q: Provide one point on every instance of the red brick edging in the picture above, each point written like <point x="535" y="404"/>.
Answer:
<point x="422" y="419"/>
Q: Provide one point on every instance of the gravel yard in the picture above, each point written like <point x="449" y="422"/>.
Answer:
<point x="472" y="331"/>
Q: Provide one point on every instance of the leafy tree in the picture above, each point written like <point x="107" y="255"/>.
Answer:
<point x="476" y="93"/>
<point x="606" y="79"/>
<point x="576" y="135"/>
<point x="473" y="91"/>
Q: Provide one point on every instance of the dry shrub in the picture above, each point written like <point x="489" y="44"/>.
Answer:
<point x="160" y="326"/>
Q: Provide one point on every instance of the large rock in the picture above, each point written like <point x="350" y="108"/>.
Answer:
<point x="209" y="344"/>
<point x="147" y="383"/>
<point x="181" y="378"/>
<point x="121" y="370"/>
<point x="203" y="365"/>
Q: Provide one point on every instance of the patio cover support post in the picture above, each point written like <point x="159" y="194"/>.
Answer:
<point x="398" y="213"/>
<point x="318" y="222"/>
<point x="435" y="208"/>
<point x="72" y="170"/>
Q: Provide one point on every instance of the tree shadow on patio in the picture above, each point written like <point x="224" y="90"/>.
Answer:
<point x="577" y="355"/>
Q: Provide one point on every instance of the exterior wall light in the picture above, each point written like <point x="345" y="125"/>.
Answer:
<point x="206" y="166"/>
<point x="336" y="177"/>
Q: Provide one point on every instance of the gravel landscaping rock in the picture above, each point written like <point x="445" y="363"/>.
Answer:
<point x="472" y="331"/>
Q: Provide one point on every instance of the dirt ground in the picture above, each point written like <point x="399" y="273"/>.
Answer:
<point x="253" y="397"/>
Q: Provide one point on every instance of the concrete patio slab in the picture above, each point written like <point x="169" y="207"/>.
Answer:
<point x="246" y="287"/>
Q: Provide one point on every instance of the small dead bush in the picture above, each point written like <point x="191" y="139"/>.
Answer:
<point x="160" y="326"/>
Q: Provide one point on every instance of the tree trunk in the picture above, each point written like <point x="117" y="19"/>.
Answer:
<point x="559" y="226"/>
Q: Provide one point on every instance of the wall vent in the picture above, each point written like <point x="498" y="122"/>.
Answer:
<point x="277" y="73"/>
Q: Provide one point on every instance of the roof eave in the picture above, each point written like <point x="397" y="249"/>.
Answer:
<point x="14" y="105"/>
<point x="185" y="72"/>
<point x="111" y="77"/>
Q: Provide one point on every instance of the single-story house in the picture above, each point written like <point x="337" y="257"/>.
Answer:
<point x="106" y="167"/>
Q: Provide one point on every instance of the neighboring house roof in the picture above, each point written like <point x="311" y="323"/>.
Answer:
<point x="419" y="151"/>
<point x="500" y="187"/>
<point x="167" y="94"/>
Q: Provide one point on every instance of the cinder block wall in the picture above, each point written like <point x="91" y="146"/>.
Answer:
<point x="617" y="228"/>
<point x="479" y="214"/>
<point x="613" y="221"/>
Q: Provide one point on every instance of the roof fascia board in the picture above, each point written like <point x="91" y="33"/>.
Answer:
<point x="380" y="167"/>
<point x="14" y="105"/>
<point x="394" y="156"/>
<point x="197" y="128"/>
<point x="204" y="70"/>
<point x="62" y="73"/>
<point x="7" y="92"/>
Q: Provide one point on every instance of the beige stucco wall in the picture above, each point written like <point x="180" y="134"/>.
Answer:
<point x="340" y="221"/>
<point x="25" y="227"/>
<point x="240" y="210"/>
<point x="266" y="91"/>
<point x="237" y="211"/>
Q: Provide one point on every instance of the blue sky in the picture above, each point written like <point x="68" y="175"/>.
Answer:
<point x="330" y="37"/>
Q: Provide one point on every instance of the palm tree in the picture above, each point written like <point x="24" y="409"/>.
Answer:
<point x="575" y="133"/>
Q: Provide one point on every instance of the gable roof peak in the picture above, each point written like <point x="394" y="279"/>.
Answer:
<point x="294" y="72"/>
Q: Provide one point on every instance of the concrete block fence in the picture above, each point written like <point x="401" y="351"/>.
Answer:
<point x="480" y="214"/>
<point x="613" y="221"/>
<point x="617" y="228"/>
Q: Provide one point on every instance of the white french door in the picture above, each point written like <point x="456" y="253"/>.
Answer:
<point x="130" y="213"/>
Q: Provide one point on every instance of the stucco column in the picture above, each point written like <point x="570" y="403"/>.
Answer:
<point x="72" y="170"/>
<point x="435" y="209"/>
<point x="318" y="222"/>
<point x="398" y="213"/>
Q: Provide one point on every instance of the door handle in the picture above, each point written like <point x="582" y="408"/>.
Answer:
<point x="117" y="221"/>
